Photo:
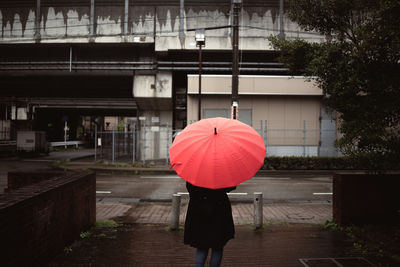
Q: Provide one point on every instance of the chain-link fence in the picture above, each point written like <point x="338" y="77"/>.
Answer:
<point x="307" y="139"/>
<point x="5" y="131"/>
<point x="115" y="146"/>
<point x="150" y="144"/>
<point x="147" y="144"/>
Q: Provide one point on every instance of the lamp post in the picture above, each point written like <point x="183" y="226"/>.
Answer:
<point x="200" y="41"/>
<point x="237" y="5"/>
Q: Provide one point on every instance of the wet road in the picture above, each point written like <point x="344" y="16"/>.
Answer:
<point x="132" y="188"/>
<point x="161" y="188"/>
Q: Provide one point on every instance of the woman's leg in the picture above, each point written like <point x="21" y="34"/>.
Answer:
<point x="201" y="256"/>
<point x="216" y="257"/>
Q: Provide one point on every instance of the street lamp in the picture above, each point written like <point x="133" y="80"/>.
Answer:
<point x="200" y="37"/>
<point x="237" y="5"/>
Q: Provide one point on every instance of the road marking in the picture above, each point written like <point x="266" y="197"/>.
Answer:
<point x="160" y="177"/>
<point x="39" y="160"/>
<point x="103" y="192"/>
<point x="271" y="178"/>
<point x="230" y="194"/>
<point x="322" y="193"/>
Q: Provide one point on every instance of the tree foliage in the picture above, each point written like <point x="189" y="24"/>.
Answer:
<point x="357" y="67"/>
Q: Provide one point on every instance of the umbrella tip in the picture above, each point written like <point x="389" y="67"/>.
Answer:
<point x="215" y="130"/>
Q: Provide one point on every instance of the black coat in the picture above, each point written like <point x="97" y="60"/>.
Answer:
<point x="209" y="222"/>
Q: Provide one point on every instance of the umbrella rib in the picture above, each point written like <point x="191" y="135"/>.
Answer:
<point x="205" y="148"/>
<point x="248" y="140"/>
<point x="251" y="153"/>
<point x="181" y="147"/>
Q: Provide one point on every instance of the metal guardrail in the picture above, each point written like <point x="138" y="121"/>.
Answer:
<point x="8" y="143"/>
<point x="67" y="143"/>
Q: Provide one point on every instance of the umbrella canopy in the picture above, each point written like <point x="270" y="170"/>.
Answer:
<point x="217" y="153"/>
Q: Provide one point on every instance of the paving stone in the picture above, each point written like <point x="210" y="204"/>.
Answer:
<point x="159" y="213"/>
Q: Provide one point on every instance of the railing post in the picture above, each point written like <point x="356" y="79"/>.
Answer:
<point x="304" y="138"/>
<point x="175" y="212"/>
<point x="167" y="153"/>
<point x="95" y="143"/>
<point x="258" y="210"/>
<point x="266" y="133"/>
<point x="113" y="146"/>
<point x="144" y="144"/>
<point x="133" y="142"/>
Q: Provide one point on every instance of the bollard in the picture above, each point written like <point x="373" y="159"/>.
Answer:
<point x="258" y="210"/>
<point x="175" y="211"/>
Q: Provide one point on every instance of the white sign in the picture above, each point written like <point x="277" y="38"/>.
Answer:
<point x="155" y="128"/>
<point x="155" y="119"/>
<point x="142" y="118"/>
<point x="99" y="141"/>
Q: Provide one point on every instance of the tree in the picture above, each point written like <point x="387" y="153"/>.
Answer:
<point x="358" y="69"/>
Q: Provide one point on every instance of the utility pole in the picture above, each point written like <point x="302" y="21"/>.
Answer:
<point x="237" y="5"/>
<point x="200" y="37"/>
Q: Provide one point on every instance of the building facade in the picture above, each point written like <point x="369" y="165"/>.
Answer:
<point x="132" y="64"/>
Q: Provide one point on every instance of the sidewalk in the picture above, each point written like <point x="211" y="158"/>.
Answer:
<point x="159" y="213"/>
<point x="285" y="241"/>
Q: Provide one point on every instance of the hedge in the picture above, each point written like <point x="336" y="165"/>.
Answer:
<point x="318" y="163"/>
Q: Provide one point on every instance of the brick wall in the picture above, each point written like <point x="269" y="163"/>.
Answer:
<point x="17" y="179"/>
<point x="366" y="198"/>
<point x="39" y="220"/>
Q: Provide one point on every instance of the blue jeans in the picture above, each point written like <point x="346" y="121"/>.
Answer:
<point x="215" y="260"/>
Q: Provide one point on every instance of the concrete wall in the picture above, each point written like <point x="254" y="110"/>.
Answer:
<point x="38" y="221"/>
<point x="254" y="85"/>
<point x="144" y="22"/>
<point x="155" y="135"/>
<point x="279" y="119"/>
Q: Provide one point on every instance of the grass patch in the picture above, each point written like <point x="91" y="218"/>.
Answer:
<point x="124" y="165"/>
<point x="67" y="250"/>
<point x="179" y="229"/>
<point x="107" y="224"/>
<point x="381" y="242"/>
<point x="59" y="163"/>
<point x="86" y="234"/>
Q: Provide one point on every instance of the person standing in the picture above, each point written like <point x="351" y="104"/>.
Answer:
<point x="209" y="223"/>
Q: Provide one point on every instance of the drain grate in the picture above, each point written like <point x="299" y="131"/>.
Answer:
<point x="335" y="262"/>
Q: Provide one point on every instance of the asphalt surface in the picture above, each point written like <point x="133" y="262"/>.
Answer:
<point x="161" y="187"/>
<point x="158" y="183"/>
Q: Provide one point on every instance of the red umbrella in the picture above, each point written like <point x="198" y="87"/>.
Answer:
<point x="217" y="153"/>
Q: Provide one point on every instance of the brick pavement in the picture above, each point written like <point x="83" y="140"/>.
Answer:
<point x="144" y="241"/>
<point x="159" y="213"/>
<point x="151" y="245"/>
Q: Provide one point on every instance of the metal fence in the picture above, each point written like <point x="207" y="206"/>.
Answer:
<point x="115" y="146"/>
<point x="308" y="139"/>
<point x="149" y="143"/>
<point x="5" y="131"/>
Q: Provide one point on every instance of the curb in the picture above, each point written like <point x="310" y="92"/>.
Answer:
<point x="166" y="171"/>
